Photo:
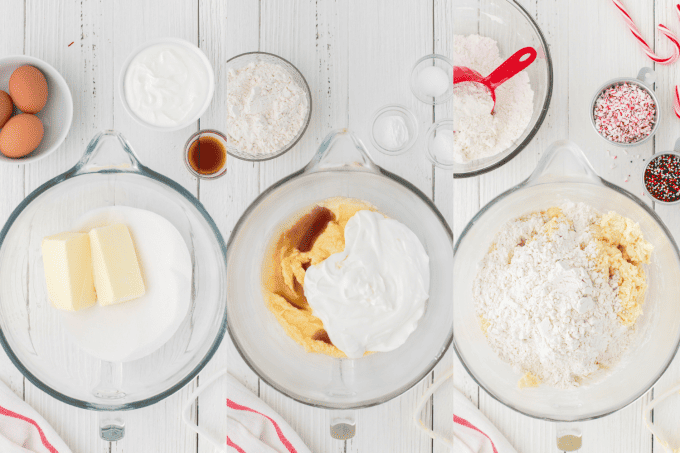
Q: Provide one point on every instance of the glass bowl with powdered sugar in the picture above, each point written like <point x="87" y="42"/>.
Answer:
<point x="269" y="106"/>
<point x="485" y="35"/>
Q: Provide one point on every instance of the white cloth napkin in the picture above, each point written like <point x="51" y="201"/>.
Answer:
<point x="473" y="432"/>
<point x="23" y="430"/>
<point x="253" y="427"/>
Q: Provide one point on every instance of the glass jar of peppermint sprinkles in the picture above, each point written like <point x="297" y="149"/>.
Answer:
<point x="625" y="111"/>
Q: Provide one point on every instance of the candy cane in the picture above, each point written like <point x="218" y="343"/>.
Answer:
<point x="645" y="47"/>
<point x="676" y="101"/>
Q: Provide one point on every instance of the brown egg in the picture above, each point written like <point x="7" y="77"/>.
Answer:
<point x="28" y="88"/>
<point x="6" y="108"/>
<point x="21" y="135"/>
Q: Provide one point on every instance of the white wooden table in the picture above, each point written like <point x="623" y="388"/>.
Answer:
<point x="590" y="44"/>
<point x="356" y="56"/>
<point x="103" y="33"/>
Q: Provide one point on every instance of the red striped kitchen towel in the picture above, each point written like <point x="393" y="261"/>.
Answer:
<point x="23" y="430"/>
<point x="473" y="432"/>
<point x="253" y="427"/>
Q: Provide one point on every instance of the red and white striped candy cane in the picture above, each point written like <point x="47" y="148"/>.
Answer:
<point x="676" y="101"/>
<point x="645" y="47"/>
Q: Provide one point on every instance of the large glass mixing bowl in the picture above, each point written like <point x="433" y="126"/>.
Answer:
<point x="564" y="174"/>
<point x="341" y="167"/>
<point x="31" y="330"/>
<point x="511" y="26"/>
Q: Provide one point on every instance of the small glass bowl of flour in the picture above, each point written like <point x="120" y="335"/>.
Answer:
<point x="432" y="79"/>
<point x="394" y="129"/>
<point x="269" y="106"/>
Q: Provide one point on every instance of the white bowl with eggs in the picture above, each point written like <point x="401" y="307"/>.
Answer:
<point x="57" y="114"/>
<point x="166" y="84"/>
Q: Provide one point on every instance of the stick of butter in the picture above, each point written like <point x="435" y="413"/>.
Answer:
<point x="68" y="270"/>
<point x="117" y="277"/>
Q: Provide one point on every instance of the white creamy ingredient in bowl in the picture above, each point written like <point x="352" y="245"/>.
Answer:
<point x="371" y="296"/>
<point x="391" y="132"/>
<point x="134" y="329"/>
<point x="480" y="134"/>
<point x="266" y="108"/>
<point x="165" y="84"/>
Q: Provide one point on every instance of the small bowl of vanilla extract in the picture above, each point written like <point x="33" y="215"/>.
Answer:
<point x="205" y="154"/>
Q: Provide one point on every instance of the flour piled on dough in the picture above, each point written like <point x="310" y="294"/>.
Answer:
<point x="559" y="293"/>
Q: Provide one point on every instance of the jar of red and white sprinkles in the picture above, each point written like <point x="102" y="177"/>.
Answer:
<point x="625" y="111"/>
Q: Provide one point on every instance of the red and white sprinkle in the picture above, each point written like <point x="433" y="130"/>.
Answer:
<point x="624" y="113"/>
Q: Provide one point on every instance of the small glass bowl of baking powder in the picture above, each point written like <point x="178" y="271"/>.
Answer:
<point x="248" y="134"/>
<point x="637" y="117"/>
<point x="439" y="140"/>
<point x="394" y="129"/>
<point x="432" y="79"/>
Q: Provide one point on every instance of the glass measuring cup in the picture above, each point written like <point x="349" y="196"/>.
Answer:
<point x="564" y="173"/>
<point x="31" y="330"/>
<point x="341" y="167"/>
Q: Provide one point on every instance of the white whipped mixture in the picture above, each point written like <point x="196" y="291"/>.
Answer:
<point x="371" y="296"/>
<point x="134" y="329"/>
<point x="480" y="134"/>
<point x="266" y="108"/>
<point x="549" y="311"/>
<point x="166" y="84"/>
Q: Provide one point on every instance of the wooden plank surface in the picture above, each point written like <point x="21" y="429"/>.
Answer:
<point x="11" y="176"/>
<point x="356" y="58"/>
<point x="589" y="44"/>
<point x="103" y="34"/>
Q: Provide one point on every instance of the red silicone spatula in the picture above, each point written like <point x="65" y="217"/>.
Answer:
<point x="517" y="62"/>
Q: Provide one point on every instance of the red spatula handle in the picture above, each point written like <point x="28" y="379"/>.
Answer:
<point x="518" y="62"/>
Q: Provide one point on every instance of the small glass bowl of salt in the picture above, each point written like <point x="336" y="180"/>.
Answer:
<point x="394" y="129"/>
<point x="432" y="79"/>
<point x="440" y="144"/>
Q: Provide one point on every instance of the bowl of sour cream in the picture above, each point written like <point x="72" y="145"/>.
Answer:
<point x="166" y="84"/>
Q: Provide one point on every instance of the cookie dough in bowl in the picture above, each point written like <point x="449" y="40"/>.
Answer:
<point x="346" y="281"/>
<point x="559" y="293"/>
<point x="287" y="231"/>
<point x="565" y="303"/>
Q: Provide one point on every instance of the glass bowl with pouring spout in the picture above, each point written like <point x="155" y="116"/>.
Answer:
<point x="341" y="168"/>
<point x="564" y="174"/>
<point x="31" y="330"/>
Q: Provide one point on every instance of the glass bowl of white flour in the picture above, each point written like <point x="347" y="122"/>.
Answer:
<point x="269" y="106"/>
<point x="565" y="175"/>
<point x="484" y="37"/>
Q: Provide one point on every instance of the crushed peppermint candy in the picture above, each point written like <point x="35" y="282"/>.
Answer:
<point x="625" y="113"/>
<point x="662" y="178"/>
